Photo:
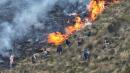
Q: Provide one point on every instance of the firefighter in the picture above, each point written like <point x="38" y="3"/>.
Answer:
<point x="59" y="49"/>
<point x="11" y="58"/>
<point x="68" y="43"/>
<point x="86" y="54"/>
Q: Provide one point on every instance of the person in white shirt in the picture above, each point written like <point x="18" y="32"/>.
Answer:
<point x="11" y="58"/>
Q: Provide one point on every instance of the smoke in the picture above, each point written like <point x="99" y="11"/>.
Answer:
<point x="30" y="15"/>
<point x="6" y="35"/>
<point x="73" y="6"/>
<point x="3" y="1"/>
<point x="26" y="14"/>
<point x="18" y="16"/>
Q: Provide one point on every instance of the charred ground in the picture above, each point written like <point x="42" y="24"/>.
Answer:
<point x="113" y="24"/>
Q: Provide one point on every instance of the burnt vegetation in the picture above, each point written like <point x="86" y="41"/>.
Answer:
<point x="113" y="26"/>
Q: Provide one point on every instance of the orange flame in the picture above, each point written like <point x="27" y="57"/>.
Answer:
<point x="95" y="8"/>
<point x="56" y="38"/>
<point x="70" y="30"/>
<point x="77" y="26"/>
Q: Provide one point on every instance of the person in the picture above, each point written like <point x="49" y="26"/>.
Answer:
<point x="68" y="43"/>
<point x="59" y="49"/>
<point x="106" y="42"/>
<point x="34" y="58"/>
<point x="80" y="41"/>
<point x="11" y="58"/>
<point x="86" y="54"/>
<point x="45" y="53"/>
<point x="89" y="33"/>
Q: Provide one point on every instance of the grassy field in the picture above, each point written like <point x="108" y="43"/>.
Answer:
<point x="113" y="24"/>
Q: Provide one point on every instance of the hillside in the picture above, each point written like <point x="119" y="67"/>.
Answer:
<point x="113" y="24"/>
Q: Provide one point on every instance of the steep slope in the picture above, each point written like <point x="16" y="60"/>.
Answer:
<point x="113" y="25"/>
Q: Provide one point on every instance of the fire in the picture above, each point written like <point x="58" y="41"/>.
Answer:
<point x="70" y="30"/>
<point x="78" y="19"/>
<point x="56" y="38"/>
<point x="95" y="8"/>
<point x="77" y="26"/>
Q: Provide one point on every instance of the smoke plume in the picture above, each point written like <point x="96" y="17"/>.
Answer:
<point x="18" y="16"/>
<point x="23" y="14"/>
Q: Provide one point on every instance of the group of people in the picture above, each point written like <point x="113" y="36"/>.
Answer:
<point x="45" y="53"/>
<point x="85" y="53"/>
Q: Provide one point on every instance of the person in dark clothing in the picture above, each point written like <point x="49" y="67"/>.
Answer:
<point x="33" y="60"/>
<point x="68" y="43"/>
<point x="80" y="41"/>
<point x="89" y="33"/>
<point x="59" y="49"/>
<point x="86" y="54"/>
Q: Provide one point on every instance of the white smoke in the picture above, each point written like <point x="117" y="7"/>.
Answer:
<point x="25" y="14"/>
<point x="6" y="35"/>
<point x="23" y="20"/>
<point x="3" y="1"/>
<point x="29" y="16"/>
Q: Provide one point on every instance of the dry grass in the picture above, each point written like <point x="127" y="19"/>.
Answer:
<point x="112" y="59"/>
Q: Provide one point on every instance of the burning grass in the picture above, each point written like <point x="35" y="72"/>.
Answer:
<point x="103" y="60"/>
<point x="95" y="8"/>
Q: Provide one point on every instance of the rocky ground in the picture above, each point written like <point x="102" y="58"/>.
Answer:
<point x="113" y="24"/>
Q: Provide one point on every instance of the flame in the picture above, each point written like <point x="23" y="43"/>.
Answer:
<point x="70" y="30"/>
<point x="77" y="26"/>
<point x="56" y="38"/>
<point x="95" y="8"/>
